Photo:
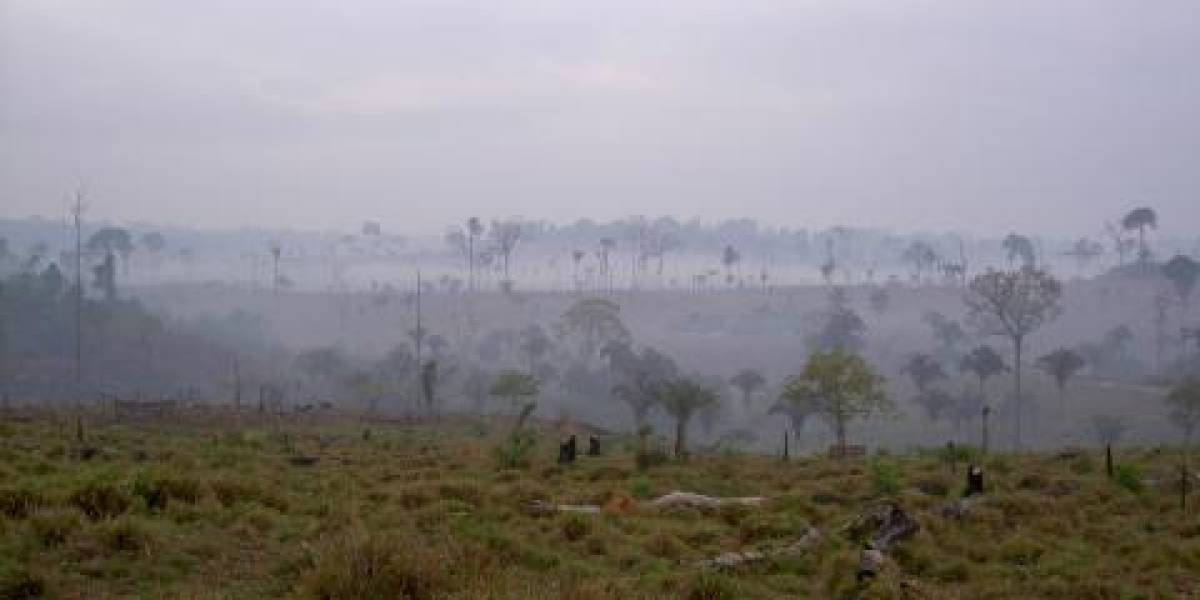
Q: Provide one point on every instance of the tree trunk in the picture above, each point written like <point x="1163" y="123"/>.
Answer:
<point x="680" y="434"/>
<point x="1017" y="343"/>
<point x="1108" y="462"/>
<point x="841" y="436"/>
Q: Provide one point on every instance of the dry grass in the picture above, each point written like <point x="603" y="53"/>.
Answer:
<point x="424" y="513"/>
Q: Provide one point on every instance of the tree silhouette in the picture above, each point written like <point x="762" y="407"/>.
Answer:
<point x="983" y="362"/>
<point x="534" y="344"/>
<point x="921" y="256"/>
<point x="681" y="398"/>
<point x="1109" y="429"/>
<point x="1018" y="246"/>
<point x="1183" y="273"/>
<point x="1139" y="219"/>
<point x="923" y="369"/>
<point x="505" y="235"/>
<point x="1013" y="304"/>
<point x="838" y="386"/>
<point x="595" y="321"/>
<point x="1062" y="365"/>
<point x="748" y="381"/>
<point x="112" y="240"/>
<point x="730" y="258"/>
<point x="642" y="376"/>
<point x="515" y="385"/>
<point x="1183" y="401"/>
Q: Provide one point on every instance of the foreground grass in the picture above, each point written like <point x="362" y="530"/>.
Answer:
<point x="423" y="512"/>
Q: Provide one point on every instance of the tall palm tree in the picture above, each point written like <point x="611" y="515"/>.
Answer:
<point x="1139" y="219"/>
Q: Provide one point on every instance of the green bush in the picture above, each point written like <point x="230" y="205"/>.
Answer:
<point x="886" y="478"/>
<point x="575" y="527"/>
<point x="514" y="451"/>
<point x="1129" y="477"/>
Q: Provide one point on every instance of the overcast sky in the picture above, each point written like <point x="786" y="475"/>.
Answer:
<point x="1041" y="116"/>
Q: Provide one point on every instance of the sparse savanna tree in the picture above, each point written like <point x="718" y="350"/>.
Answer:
<point x="595" y="321"/>
<point x="1121" y="244"/>
<point x="923" y="370"/>
<point x="504" y="237"/>
<point x="1017" y="246"/>
<point x="1139" y="219"/>
<point x="681" y="398"/>
<point x="1183" y="401"/>
<point x="748" y="381"/>
<point x="640" y="377"/>
<point x="1013" y="304"/>
<point x="730" y="258"/>
<point x="534" y="344"/>
<point x="1109" y="429"/>
<point x="112" y="240"/>
<point x="839" y="387"/>
<point x="515" y="386"/>
<point x="921" y="256"/>
<point x="1183" y="273"/>
<point x="1062" y="365"/>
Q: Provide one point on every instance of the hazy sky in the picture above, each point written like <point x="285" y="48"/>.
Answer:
<point x="1039" y="115"/>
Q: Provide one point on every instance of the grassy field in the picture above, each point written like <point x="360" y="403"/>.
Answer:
<point x="424" y="511"/>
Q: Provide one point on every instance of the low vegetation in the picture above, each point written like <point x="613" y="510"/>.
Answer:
<point x="426" y="511"/>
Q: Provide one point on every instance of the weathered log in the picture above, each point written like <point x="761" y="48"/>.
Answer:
<point x="700" y="501"/>
<point x="728" y="560"/>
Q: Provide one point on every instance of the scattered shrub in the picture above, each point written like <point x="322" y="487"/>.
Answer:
<point x="886" y="477"/>
<point x="640" y="488"/>
<point x="230" y="491"/>
<point x="1129" y="477"/>
<point x="18" y="503"/>
<point x="575" y="527"/>
<point x="711" y="586"/>
<point x="360" y="564"/>
<point x="53" y="527"/>
<point x="125" y="535"/>
<point x="100" y="500"/>
<point x="20" y="584"/>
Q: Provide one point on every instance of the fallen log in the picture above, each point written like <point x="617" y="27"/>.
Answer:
<point x="700" y="501"/>
<point x="669" y="501"/>
<point x="728" y="560"/>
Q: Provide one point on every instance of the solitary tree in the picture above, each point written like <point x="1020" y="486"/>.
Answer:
<point x="112" y="240"/>
<point x="1183" y="273"/>
<point x="681" y="398"/>
<point x="730" y="258"/>
<point x="748" y="381"/>
<point x="921" y="256"/>
<point x="641" y="377"/>
<point x="505" y="235"/>
<point x="515" y="385"/>
<point x="923" y="370"/>
<point x="1013" y="304"/>
<point x="1109" y="429"/>
<point x="838" y="386"/>
<point x="595" y="321"/>
<point x="1139" y="219"/>
<point x="1017" y="246"/>
<point x="1184" y="404"/>
<point x="1062" y="365"/>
